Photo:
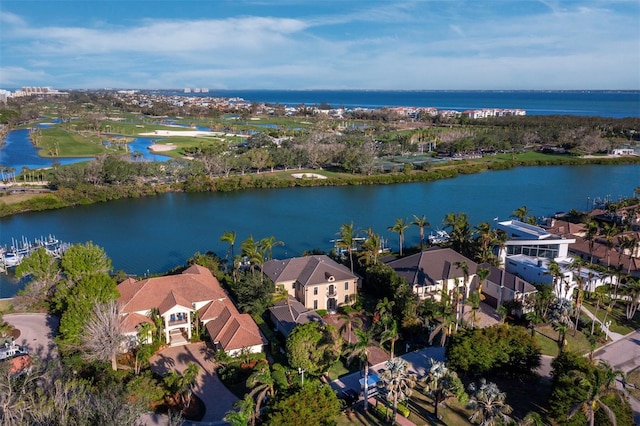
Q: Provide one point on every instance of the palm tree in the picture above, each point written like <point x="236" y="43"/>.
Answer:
<point x="597" y="385"/>
<point x="400" y="226"/>
<point x="267" y="244"/>
<point x="577" y="266"/>
<point x="483" y="274"/>
<point x="590" y="236"/>
<point x="391" y="335"/>
<point x="441" y="383"/>
<point x="488" y="404"/>
<point x="360" y="349"/>
<point x="486" y="237"/>
<point x="421" y="223"/>
<point x="465" y="273"/>
<point x="262" y="385"/>
<point x="349" y="322"/>
<point x="384" y="309"/>
<point x="281" y="294"/>
<point x="461" y="234"/>
<point x="370" y="248"/>
<point x="632" y="289"/>
<point x="398" y="382"/>
<point x="245" y="414"/>
<point x="229" y="237"/>
<point x="346" y="240"/>
<point x="447" y="320"/>
<point x="556" y="272"/>
<point x="610" y="231"/>
<point x="521" y="213"/>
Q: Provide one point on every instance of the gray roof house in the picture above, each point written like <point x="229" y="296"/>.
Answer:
<point x="284" y="322"/>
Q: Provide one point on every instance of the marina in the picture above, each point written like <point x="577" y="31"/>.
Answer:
<point x="21" y="248"/>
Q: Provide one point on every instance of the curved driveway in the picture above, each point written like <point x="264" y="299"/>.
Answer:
<point x="36" y="332"/>
<point x="216" y="397"/>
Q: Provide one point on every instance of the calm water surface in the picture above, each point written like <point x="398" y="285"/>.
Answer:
<point x="158" y="233"/>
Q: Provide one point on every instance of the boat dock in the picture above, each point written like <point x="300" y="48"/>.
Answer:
<point x="21" y="248"/>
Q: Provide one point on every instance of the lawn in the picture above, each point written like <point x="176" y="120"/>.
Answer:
<point x="619" y="322"/>
<point x="547" y="337"/>
<point x="69" y="144"/>
<point x="5" y="305"/>
<point x="633" y="381"/>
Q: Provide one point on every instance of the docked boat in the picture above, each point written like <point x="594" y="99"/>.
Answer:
<point x="438" y="237"/>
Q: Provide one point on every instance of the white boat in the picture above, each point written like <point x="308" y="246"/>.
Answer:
<point x="438" y="237"/>
<point x="11" y="259"/>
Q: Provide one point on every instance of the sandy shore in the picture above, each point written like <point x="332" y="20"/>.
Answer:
<point x="191" y="133"/>
<point x="161" y="147"/>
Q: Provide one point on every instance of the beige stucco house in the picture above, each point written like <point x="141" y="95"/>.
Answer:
<point x="318" y="282"/>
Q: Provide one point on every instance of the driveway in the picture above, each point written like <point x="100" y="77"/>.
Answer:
<point x="215" y="396"/>
<point x="624" y="355"/>
<point x="36" y="332"/>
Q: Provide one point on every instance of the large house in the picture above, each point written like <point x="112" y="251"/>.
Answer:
<point x="286" y="314"/>
<point x="433" y="270"/>
<point x="181" y="300"/>
<point x="530" y="251"/>
<point x="318" y="282"/>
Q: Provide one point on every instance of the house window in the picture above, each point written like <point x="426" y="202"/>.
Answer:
<point x="293" y="286"/>
<point x="346" y="285"/>
<point x="315" y="304"/>
<point x="315" y="291"/>
<point x="346" y="298"/>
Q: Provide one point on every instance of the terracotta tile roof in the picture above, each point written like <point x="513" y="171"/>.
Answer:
<point x="235" y="331"/>
<point x="307" y="270"/>
<point x="196" y="284"/>
<point x="174" y="299"/>
<point x="130" y="322"/>
<point x="566" y="229"/>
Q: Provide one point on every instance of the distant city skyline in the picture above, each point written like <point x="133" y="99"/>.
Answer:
<point x="299" y="44"/>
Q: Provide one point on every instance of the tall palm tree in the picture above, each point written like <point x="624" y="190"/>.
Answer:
<point x="556" y="272"/>
<point x="597" y="385"/>
<point x="486" y="237"/>
<point x="361" y="350"/>
<point x="590" y="236"/>
<point x="461" y="234"/>
<point x="262" y="385"/>
<point x="370" y="248"/>
<point x="610" y="231"/>
<point x="267" y="244"/>
<point x="632" y="289"/>
<point x="349" y="322"/>
<point x="384" y="308"/>
<point x="483" y="274"/>
<point x="421" y="222"/>
<point x="399" y="226"/>
<point x="465" y="273"/>
<point x="488" y="404"/>
<point x="577" y="265"/>
<point x="440" y="383"/>
<point x="229" y="237"/>
<point x="391" y="334"/>
<point x="398" y="382"/>
<point x="346" y="240"/>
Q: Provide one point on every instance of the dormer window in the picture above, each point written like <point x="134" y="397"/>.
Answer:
<point x="330" y="278"/>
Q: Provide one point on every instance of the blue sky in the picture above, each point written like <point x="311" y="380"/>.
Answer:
<point x="321" y="44"/>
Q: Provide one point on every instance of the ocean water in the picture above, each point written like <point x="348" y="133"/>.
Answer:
<point x="616" y="104"/>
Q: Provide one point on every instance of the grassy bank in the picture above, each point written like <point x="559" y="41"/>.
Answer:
<point x="87" y="194"/>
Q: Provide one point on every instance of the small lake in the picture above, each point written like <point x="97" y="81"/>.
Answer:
<point x="157" y="233"/>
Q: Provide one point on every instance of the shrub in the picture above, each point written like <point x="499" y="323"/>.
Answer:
<point x="321" y="312"/>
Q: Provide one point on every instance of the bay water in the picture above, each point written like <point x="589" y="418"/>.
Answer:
<point x="154" y="234"/>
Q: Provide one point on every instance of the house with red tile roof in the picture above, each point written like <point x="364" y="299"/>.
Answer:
<point x="182" y="299"/>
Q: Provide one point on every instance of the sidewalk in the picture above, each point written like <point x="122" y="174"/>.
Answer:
<point x="610" y="334"/>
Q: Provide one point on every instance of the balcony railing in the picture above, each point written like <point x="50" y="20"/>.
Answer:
<point x="332" y="293"/>
<point x="177" y="322"/>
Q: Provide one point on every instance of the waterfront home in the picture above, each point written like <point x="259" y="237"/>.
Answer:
<point x="318" y="282"/>
<point x="502" y="286"/>
<point x="181" y="300"/>
<point x="285" y="315"/>
<point x="434" y="270"/>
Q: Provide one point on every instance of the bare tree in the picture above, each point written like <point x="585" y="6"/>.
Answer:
<point x="102" y="335"/>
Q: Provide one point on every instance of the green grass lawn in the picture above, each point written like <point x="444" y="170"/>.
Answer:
<point x="5" y="305"/>
<point x="633" y="379"/>
<point x="619" y="322"/>
<point x="547" y="337"/>
<point x="69" y="144"/>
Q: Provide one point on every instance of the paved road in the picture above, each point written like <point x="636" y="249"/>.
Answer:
<point x="216" y="397"/>
<point x="624" y="355"/>
<point x="36" y="332"/>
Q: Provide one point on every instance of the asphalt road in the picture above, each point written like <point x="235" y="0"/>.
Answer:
<point x="624" y="355"/>
<point x="36" y="333"/>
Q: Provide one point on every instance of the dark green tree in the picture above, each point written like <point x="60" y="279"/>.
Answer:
<point x="314" y="404"/>
<point x="313" y="347"/>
